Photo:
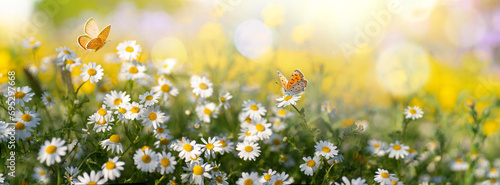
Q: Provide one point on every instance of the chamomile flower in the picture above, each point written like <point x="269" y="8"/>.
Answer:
<point x="225" y="144"/>
<point x="165" y="66"/>
<point x="253" y="110"/>
<point x="282" y="113"/>
<point x="326" y="149"/>
<point x="52" y="151"/>
<point x="188" y="149"/>
<point x="361" y="125"/>
<point x="152" y="117"/>
<point x="384" y="177"/>
<point x="47" y="99"/>
<point x="31" y="43"/>
<point x="92" y="72"/>
<point x="167" y="163"/>
<point x="219" y="178"/>
<point x="71" y="174"/>
<point x="210" y="146"/>
<point x="493" y="173"/>
<point x="22" y="130"/>
<point x="288" y="100"/>
<point x="75" y="150"/>
<point x="413" y="113"/>
<point x="398" y="150"/>
<point x="4" y="131"/>
<point x="65" y="54"/>
<point x="492" y="181"/>
<point x="113" y="143"/>
<point x="266" y="177"/>
<point x="93" y="178"/>
<point x="346" y="181"/>
<point x="134" y="110"/>
<point x="116" y="100"/>
<point x="311" y="165"/>
<point x="41" y="175"/>
<point x="122" y="112"/>
<point x="102" y="113"/>
<point x="146" y="160"/>
<point x="278" y="124"/>
<point x="128" y="50"/>
<point x="165" y="89"/>
<point x="173" y="181"/>
<point x="376" y="147"/>
<point x="459" y="165"/>
<point x="133" y="70"/>
<point x="281" y="178"/>
<point x="261" y="129"/>
<point x="202" y="86"/>
<point x="162" y="132"/>
<point x="251" y="178"/>
<point x="248" y="150"/>
<point x="112" y="168"/>
<point x="276" y="142"/>
<point x="101" y="125"/>
<point x="70" y="64"/>
<point x="21" y="95"/>
<point x="224" y="98"/>
<point x="162" y="143"/>
<point x="197" y="171"/>
<point x="205" y="111"/>
<point x="246" y="135"/>
<point x="149" y="98"/>
<point x="29" y="118"/>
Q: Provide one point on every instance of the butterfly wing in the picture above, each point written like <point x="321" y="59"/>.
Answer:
<point x="104" y="33"/>
<point x="83" y="40"/>
<point x="95" y="44"/>
<point x="91" y="28"/>
<point x="297" y="87"/>
<point x="297" y="76"/>
<point x="283" y="80"/>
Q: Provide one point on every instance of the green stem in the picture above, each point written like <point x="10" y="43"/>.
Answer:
<point x="161" y="179"/>
<point x="403" y="132"/>
<point x="79" y="88"/>
<point x="304" y="123"/>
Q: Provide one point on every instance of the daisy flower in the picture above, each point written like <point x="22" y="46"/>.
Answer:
<point x="281" y="179"/>
<point x="75" y="149"/>
<point x="4" y="131"/>
<point x="71" y="174"/>
<point x="128" y="50"/>
<point x="459" y="165"/>
<point x="253" y="110"/>
<point x="376" y="147"/>
<point x="311" y="165"/>
<point x="149" y="98"/>
<point x="101" y="125"/>
<point x="276" y="142"/>
<point x="282" y="113"/>
<point x="146" y="160"/>
<point x="326" y="149"/>
<point x="219" y="178"/>
<point x="52" y="151"/>
<point x="153" y="117"/>
<point x="167" y="163"/>
<point x="93" y="178"/>
<point x="490" y="182"/>
<point x="31" y="43"/>
<point x="91" y="71"/>
<point x="134" y="110"/>
<point x="133" y="70"/>
<point x="329" y="109"/>
<point x="248" y="150"/>
<point x="116" y="100"/>
<point x="188" y="149"/>
<point x="261" y="129"/>
<point x="224" y="98"/>
<point x="266" y="177"/>
<point x="102" y="113"/>
<point x="112" y="168"/>
<point x="22" y="130"/>
<point x="121" y="113"/>
<point x="29" y="118"/>
<point x="398" y="150"/>
<point x="246" y="135"/>
<point x="278" y="124"/>
<point x="210" y="146"/>
<point x="249" y="179"/>
<point x="288" y="100"/>
<point x="383" y="177"/>
<point x="65" y="54"/>
<point x="202" y="87"/>
<point x="165" y="66"/>
<point x="197" y="171"/>
<point x="161" y="132"/>
<point x="346" y="181"/>
<point x="225" y="145"/>
<point x="47" y="99"/>
<point x="41" y="175"/>
<point x="205" y="111"/>
<point x="70" y="64"/>
<point x="162" y="143"/>
<point x="21" y="95"/>
<point x="113" y="143"/>
<point x="493" y="173"/>
<point x="413" y="113"/>
<point x="172" y="182"/>
<point x="165" y="89"/>
<point x="361" y="125"/>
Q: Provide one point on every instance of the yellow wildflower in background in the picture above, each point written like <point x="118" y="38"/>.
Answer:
<point x="273" y="15"/>
<point x="490" y="127"/>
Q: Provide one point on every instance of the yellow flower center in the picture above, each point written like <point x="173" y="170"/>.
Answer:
<point x="122" y="110"/>
<point x="376" y="146"/>
<point x="51" y="149"/>
<point x="207" y="111"/>
<point x="19" y="95"/>
<point x="222" y="99"/>
<point x="223" y="143"/>
<point x="394" y="182"/>
<point x="92" y="183"/>
<point x="396" y="147"/>
<point x="248" y="120"/>
<point x="149" y="97"/>
<point x="254" y="107"/>
<point x="144" y="148"/>
<point x="101" y="122"/>
<point x="197" y="170"/>
<point x="203" y="86"/>
<point x="195" y="158"/>
<point x="146" y="158"/>
<point x="278" y="182"/>
<point x="114" y="138"/>
<point x="20" y="126"/>
<point x="29" y="138"/>
<point x="152" y="116"/>
<point x="165" y="88"/>
<point x="413" y="111"/>
<point x="173" y="182"/>
<point x="287" y="98"/>
<point x="69" y="62"/>
<point x="248" y="148"/>
<point x="326" y="149"/>
<point x="210" y="146"/>
<point x="66" y="52"/>
<point x="411" y="151"/>
<point x="129" y="49"/>
<point x="282" y="112"/>
<point x="110" y="165"/>
<point x="91" y="72"/>
<point x="134" y="109"/>
<point x="26" y="117"/>
<point x="117" y="101"/>
<point x="165" y="66"/>
<point x="133" y="70"/>
<point x="33" y="42"/>
<point x="219" y="179"/>
<point x="165" y="162"/>
<point x="102" y="112"/>
<point x="493" y="181"/>
<point x="188" y="147"/>
<point x="267" y="177"/>
<point x="42" y="173"/>
<point x="48" y="98"/>
<point x="248" y="133"/>
<point x="276" y="142"/>
<point x="384" y="175"/>
<point x="164" y="141"/>
<point x="311" y="163"/>
<point x="260" y="127"/>
<point x="160" y="130"/>
<point x="493" y="170"/>
<point x="248" y="182"/>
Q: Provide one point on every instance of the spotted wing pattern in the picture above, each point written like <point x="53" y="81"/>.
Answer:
<point x="297" y="76"/>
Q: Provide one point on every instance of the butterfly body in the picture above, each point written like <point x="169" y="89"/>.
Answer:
<point x="295" y="85"/>
<point x="93" y="39"/>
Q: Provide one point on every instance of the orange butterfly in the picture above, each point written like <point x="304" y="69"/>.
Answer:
<point x="296" y="85"/>
<point x="93" y="39"/>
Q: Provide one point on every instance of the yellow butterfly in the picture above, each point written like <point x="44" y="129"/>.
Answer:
<point x="93" y="39"/>
<point x="296" y="85"/>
